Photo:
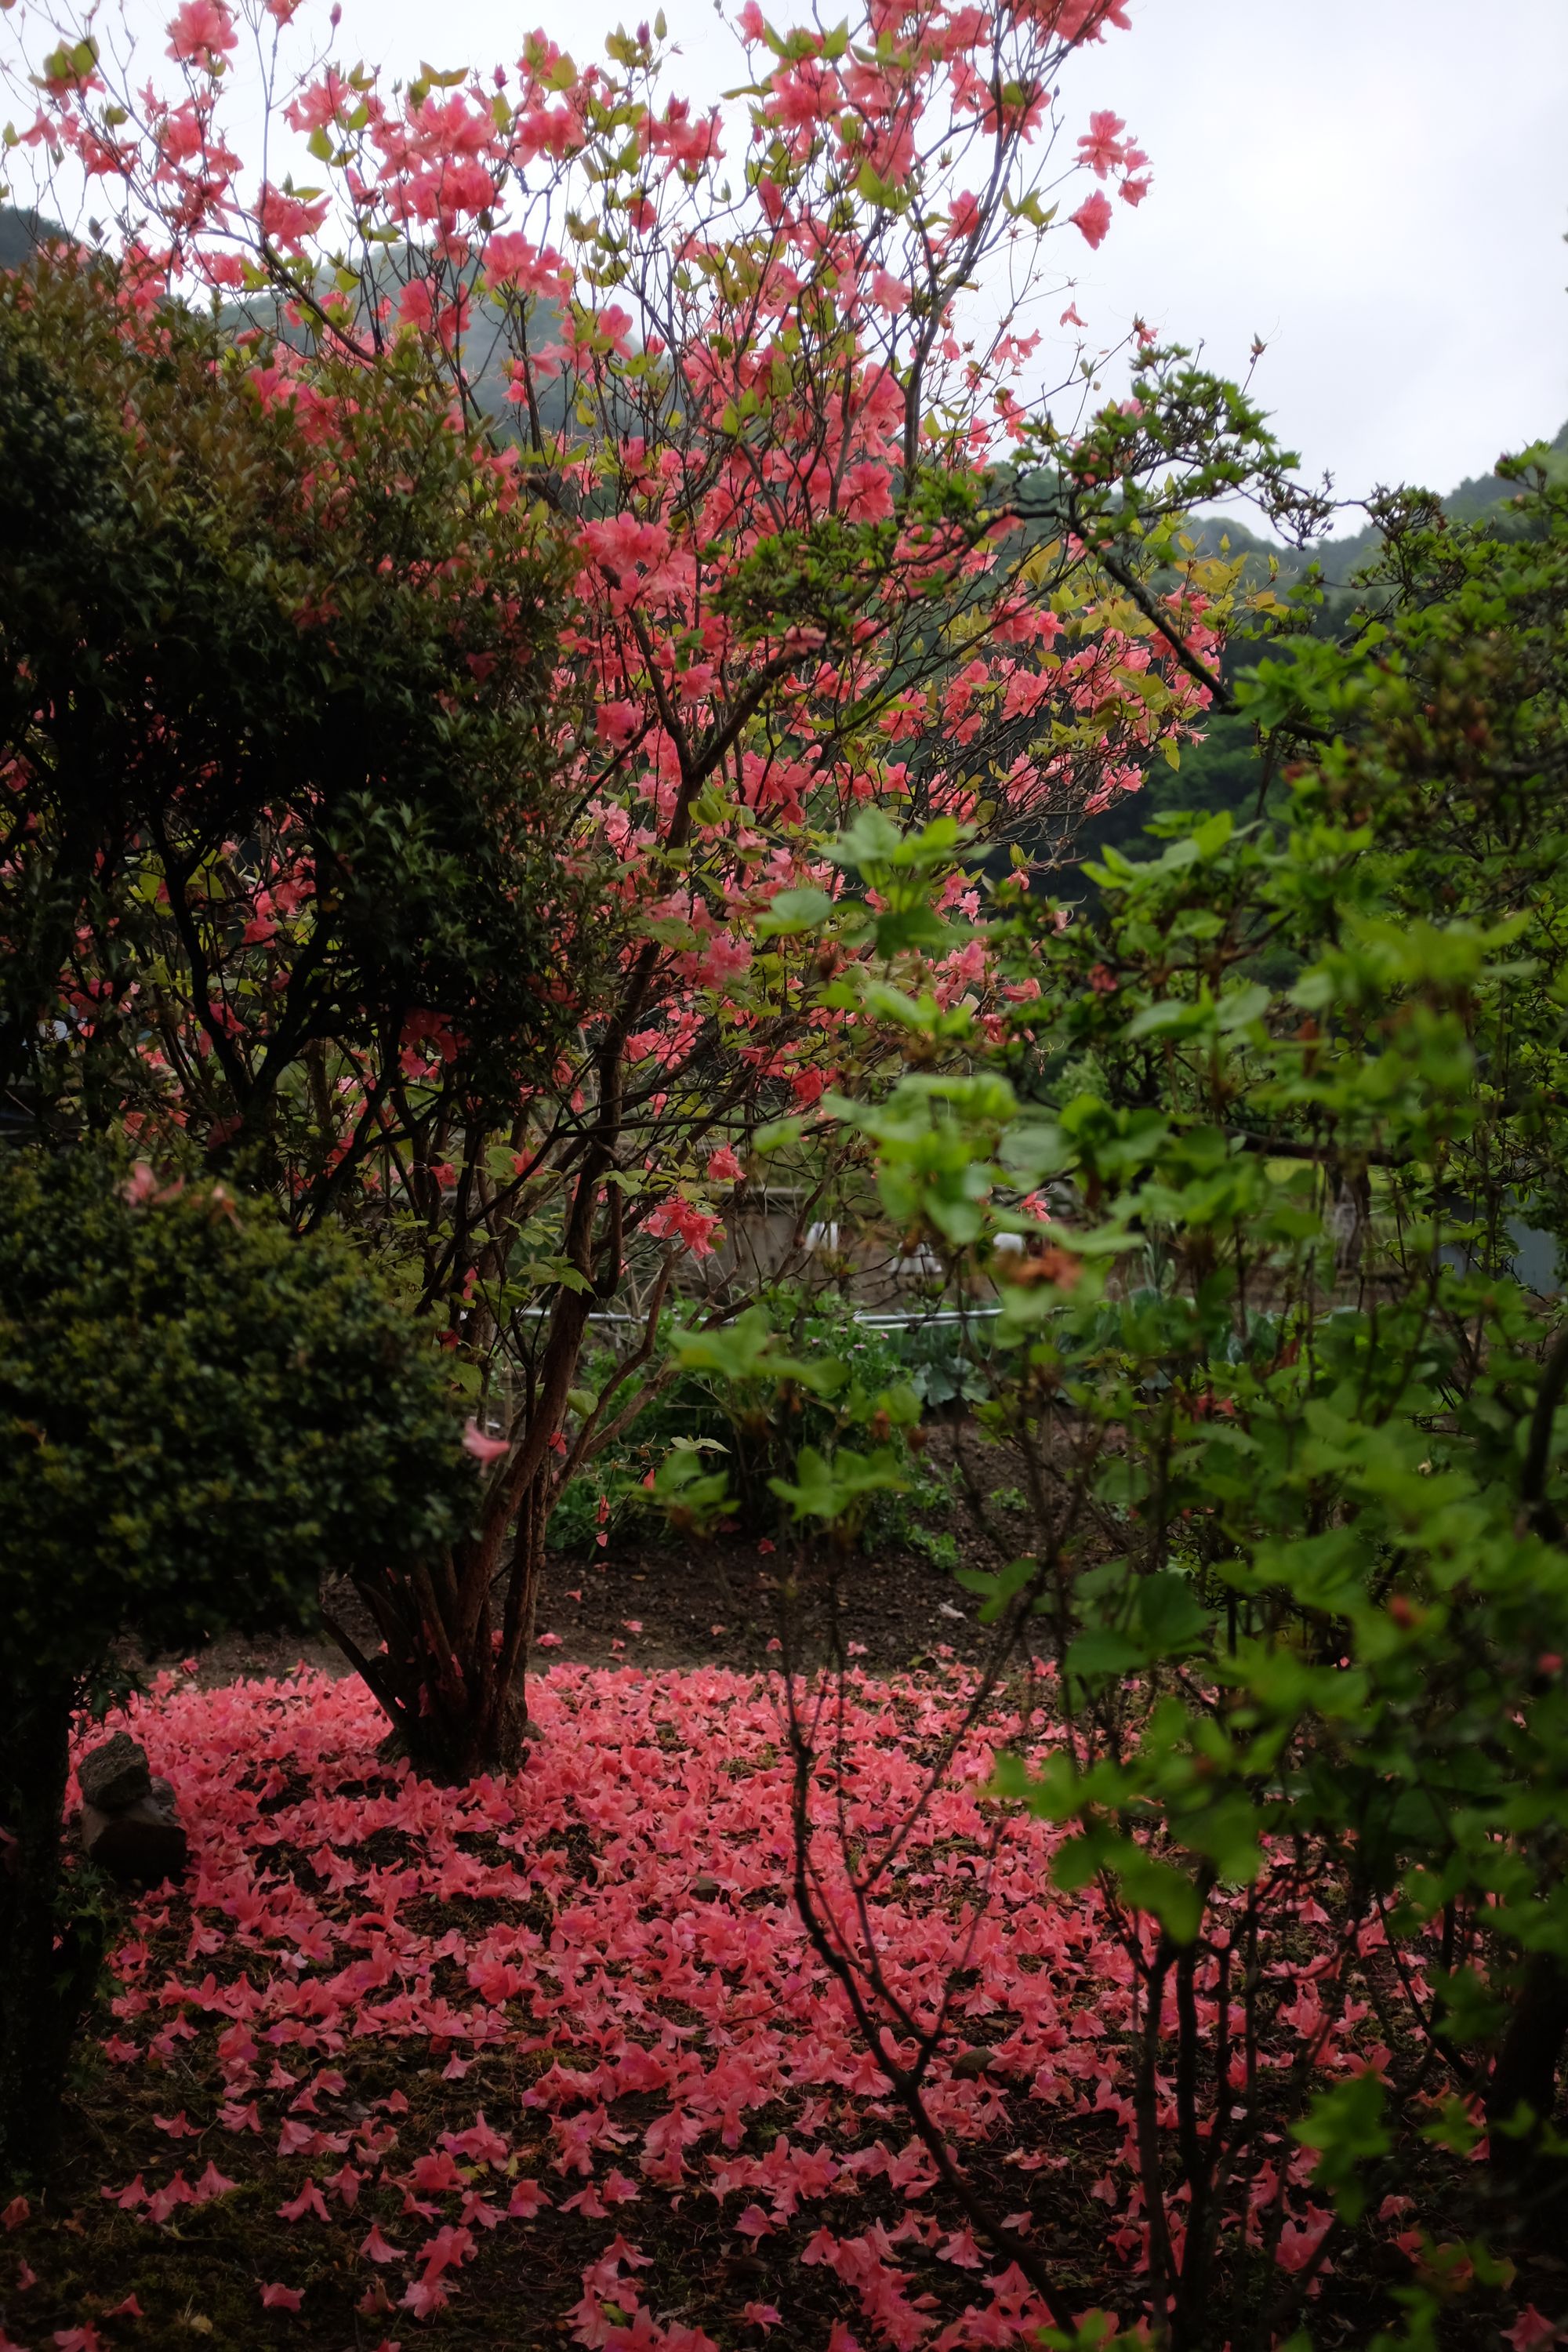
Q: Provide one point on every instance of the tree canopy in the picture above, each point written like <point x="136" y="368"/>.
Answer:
<point x="276" y="662"/>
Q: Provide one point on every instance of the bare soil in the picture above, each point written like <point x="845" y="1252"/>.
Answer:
<point x="660" y="1602"/>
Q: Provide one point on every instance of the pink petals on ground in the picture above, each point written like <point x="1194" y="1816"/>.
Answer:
<point x="309" y="2200"/>
<point x="595" y="1975"/>
<point x="1531" y="2331"/>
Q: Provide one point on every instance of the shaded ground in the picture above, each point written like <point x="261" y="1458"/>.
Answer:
<point x="719" y="1601"/>
<point x="304" y="1844"/>
<point x="687" y="1604"/>
<point x="722" y="1602"/>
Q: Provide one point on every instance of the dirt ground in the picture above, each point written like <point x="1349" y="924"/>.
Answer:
<point x="662" y="1604"/>
<point x="648" y="1599"/>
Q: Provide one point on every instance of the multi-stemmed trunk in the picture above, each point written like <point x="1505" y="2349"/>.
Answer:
<point x="451" y="1672"/>
<point x="451" y="1678"/>
<point x="50" y="1952"/>
<point x="456" y="1634"/>
<point x="452" y="1682"/>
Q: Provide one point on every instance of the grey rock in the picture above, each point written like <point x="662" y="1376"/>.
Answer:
<point x="115" y="1776"/>
<point x="141" y="1845"/>
<point x="969" y="2064"/>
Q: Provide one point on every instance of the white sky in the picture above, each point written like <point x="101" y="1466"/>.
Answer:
<point x="1379" y="188"/>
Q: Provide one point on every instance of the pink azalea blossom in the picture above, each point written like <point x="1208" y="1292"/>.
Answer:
<point x="482" y="1445"/>
<point x="1093" y="217"/>
<point x="1531" y="2331"/>
<point x="201" y="32"/>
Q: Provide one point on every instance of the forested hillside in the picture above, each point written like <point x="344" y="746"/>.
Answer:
<point x="1225" y="770"/>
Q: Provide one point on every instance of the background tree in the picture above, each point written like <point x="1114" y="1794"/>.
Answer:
<point x="198" y="1416"/>
<point x="276" y="655"/>
<point x="1294" y="1604"/>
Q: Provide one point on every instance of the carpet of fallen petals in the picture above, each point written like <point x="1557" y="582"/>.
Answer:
<point x="550" y="2060"/>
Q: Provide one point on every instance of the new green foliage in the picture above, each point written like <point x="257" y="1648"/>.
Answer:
<point x="1289" y="1415"/>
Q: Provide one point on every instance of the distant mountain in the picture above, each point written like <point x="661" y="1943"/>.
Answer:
<point x="1342" y="558"/>
<point x="1478" y="495"/>
<point x="1224" y="770"/>
<point x="21" y="234"/>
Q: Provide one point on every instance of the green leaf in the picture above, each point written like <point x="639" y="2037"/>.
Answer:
<point x="1173" y="1621"/>
<point x="1348" y="2125"/>
<point x="1103" y="1650"/>
<point x="873" y="189"/>
<point x="872" y="841"/>
<point x="1168" y="1895"/>
<point x="793" y="911"/>
<point x="830" y="1487"/>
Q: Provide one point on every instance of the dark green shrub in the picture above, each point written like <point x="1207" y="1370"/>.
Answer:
<point x="1295" y="1442"/>
<point x="199" y="1416"/>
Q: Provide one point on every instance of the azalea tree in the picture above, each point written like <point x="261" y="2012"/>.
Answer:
<point x="828" y="550"/>
<point x="198" y="1415"/>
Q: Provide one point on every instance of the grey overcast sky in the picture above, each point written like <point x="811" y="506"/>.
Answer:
<point x="1378" y="188"/>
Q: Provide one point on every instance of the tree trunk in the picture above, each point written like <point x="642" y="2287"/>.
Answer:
<point x="1524" y="2074"/>
<point x="453" y="1683"/>
<point x="48" y="1963"/>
